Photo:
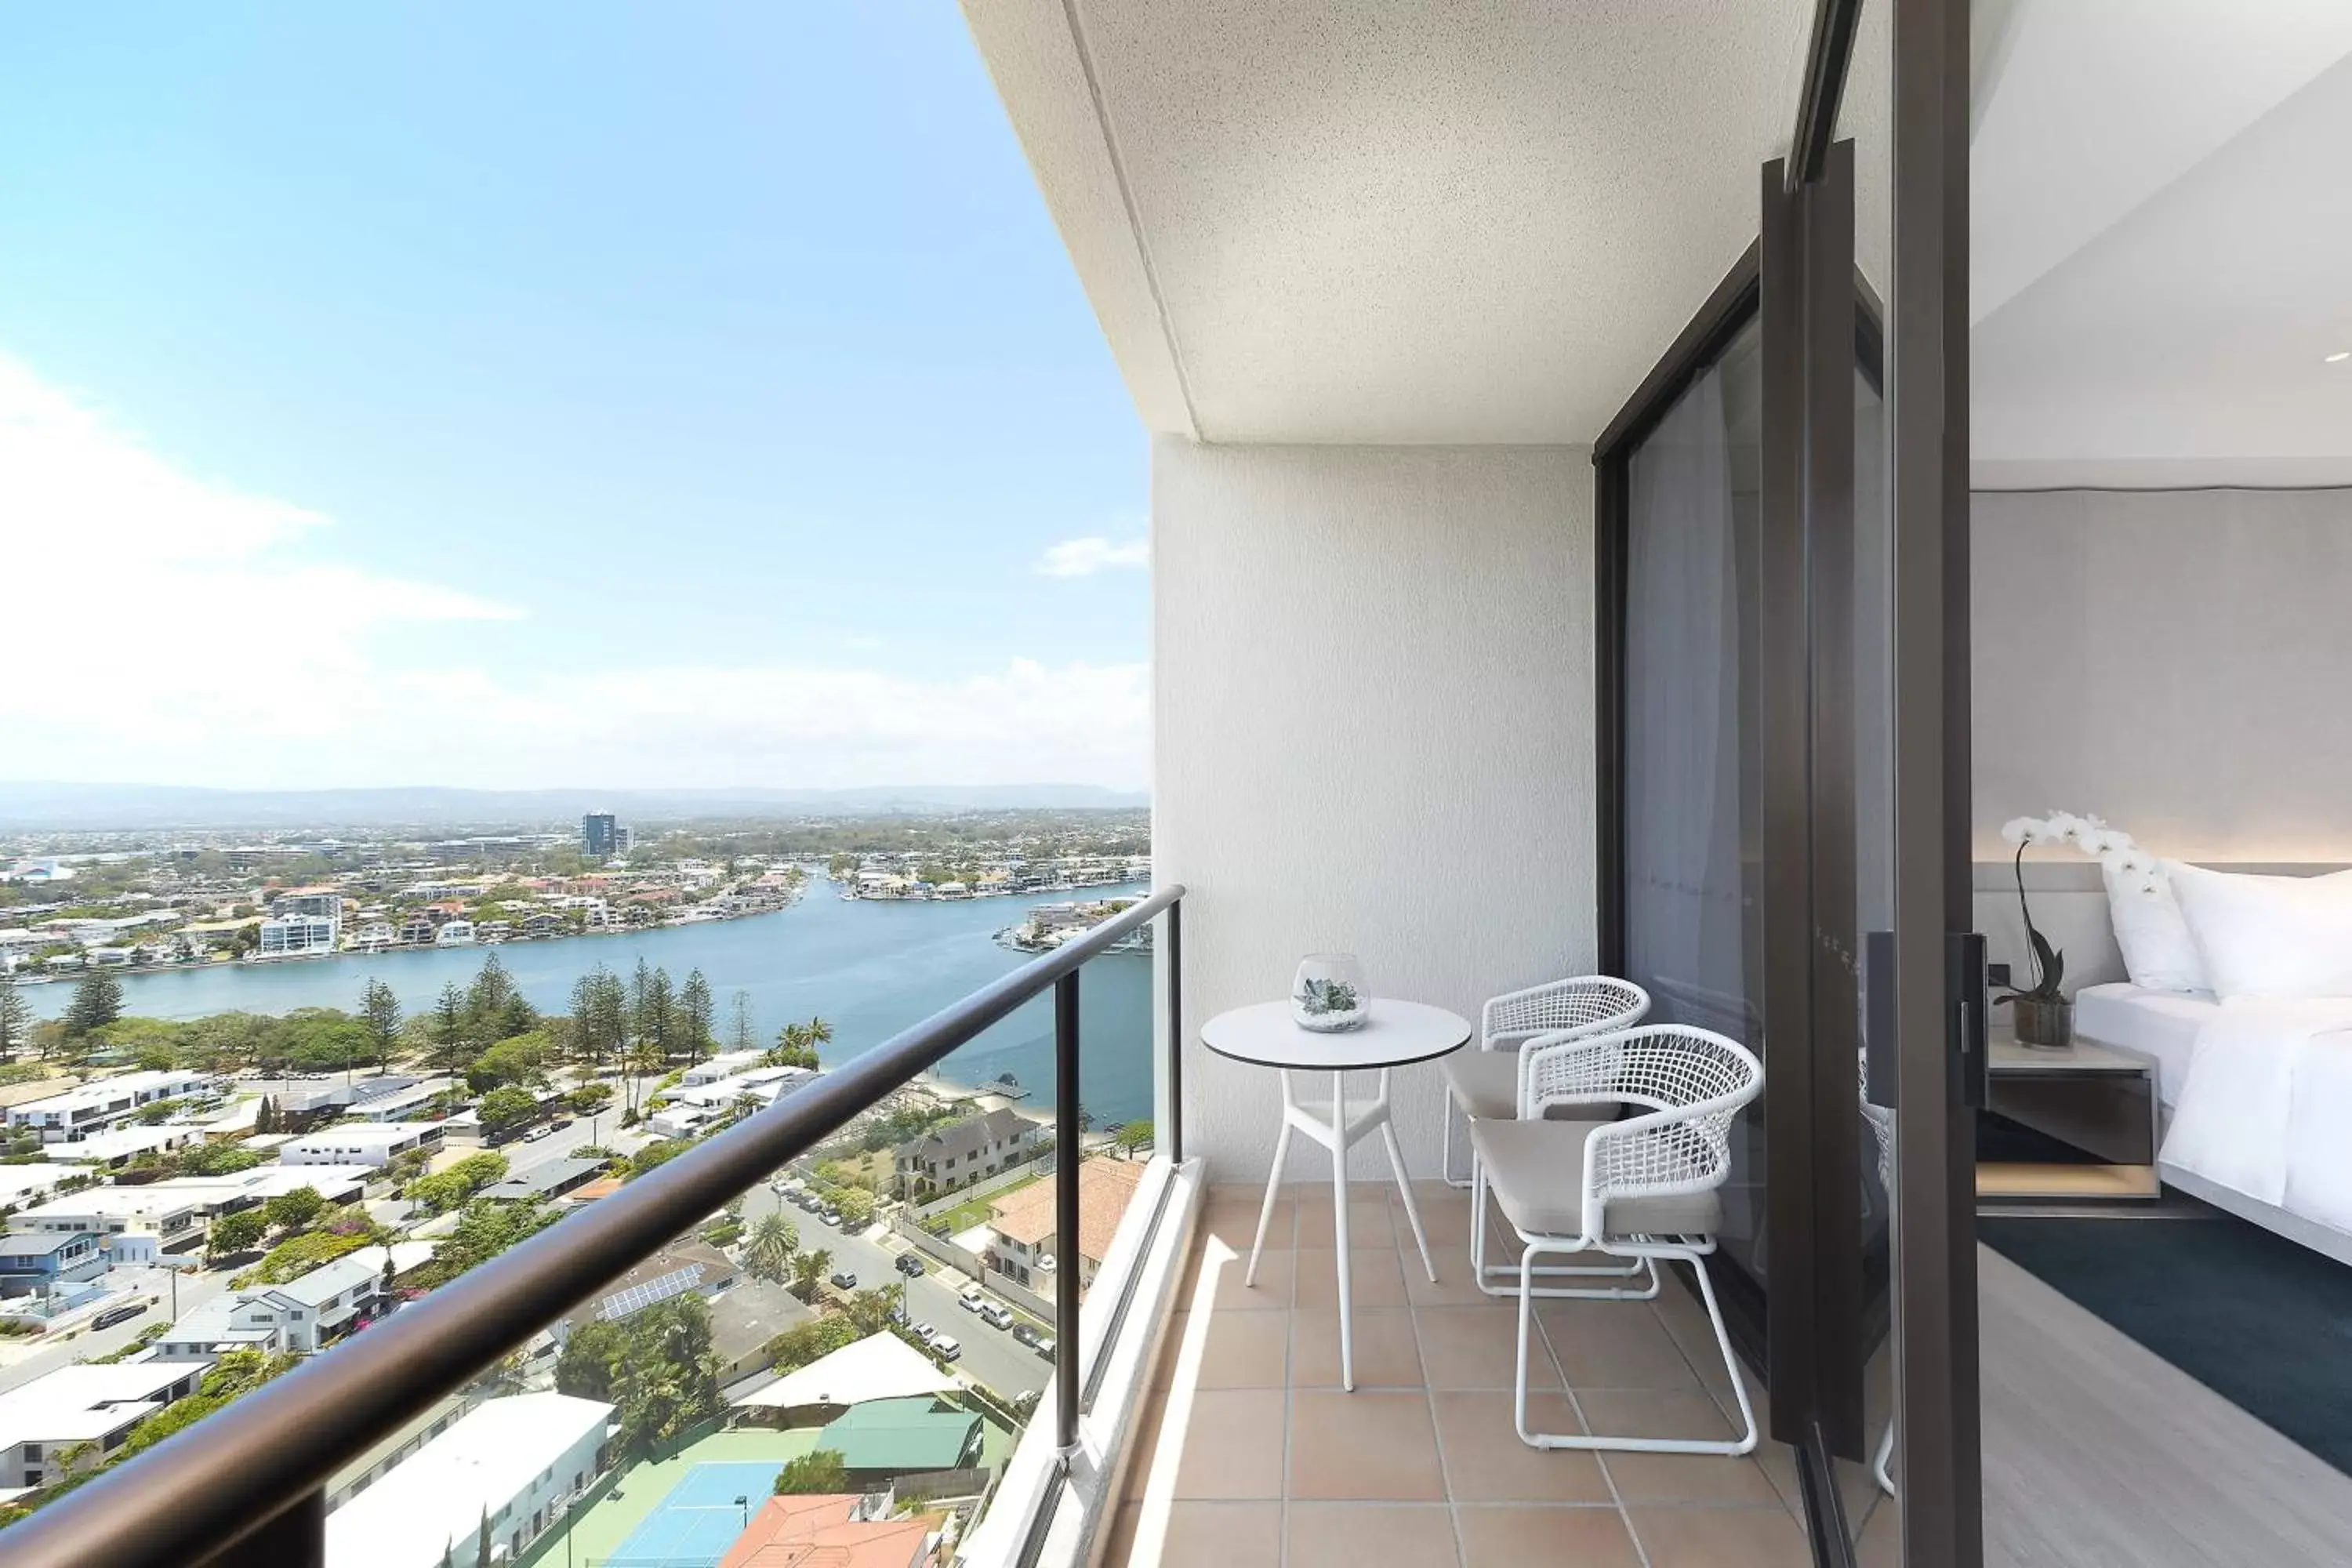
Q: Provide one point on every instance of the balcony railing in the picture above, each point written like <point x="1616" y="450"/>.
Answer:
<point x="247" y="1484"/>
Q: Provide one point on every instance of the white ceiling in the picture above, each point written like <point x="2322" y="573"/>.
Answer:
<point x="2161" y="250"/>
<point x="1362" y="221"/>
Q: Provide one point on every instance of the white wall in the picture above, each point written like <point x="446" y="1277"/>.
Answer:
<point x="1373" y="716"/>
<point x="2177" y="662"/>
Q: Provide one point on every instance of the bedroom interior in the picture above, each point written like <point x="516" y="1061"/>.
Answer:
<point x="2161" y="555"/>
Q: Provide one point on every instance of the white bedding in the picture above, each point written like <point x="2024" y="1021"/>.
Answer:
<point x="2159" y="1024"/>
<point x="2265" y="1103"/>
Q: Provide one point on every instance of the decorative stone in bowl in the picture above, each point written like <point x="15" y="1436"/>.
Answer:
<point x="1328" y="996"/>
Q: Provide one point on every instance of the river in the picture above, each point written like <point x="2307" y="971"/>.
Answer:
<point x="868" y="968"/>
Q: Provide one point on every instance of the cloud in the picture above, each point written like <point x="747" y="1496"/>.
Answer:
<point x="167" y="628"/>
<point x="1085" y="557"/>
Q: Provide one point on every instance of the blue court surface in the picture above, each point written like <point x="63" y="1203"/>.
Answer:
<point x="700" y="1519"/>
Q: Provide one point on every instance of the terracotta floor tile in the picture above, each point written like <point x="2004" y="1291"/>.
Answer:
<point x="1368" y="1221"/>
<point x="1485" y="1461"/>
<point x="1235" y="1224"/>
<point x="1236" y="1350"/>
<point x="1356" y="1535"/>
<point x="1615" y="1344"/>
<point x="1231" y="1443"/>
<point x="1214" y="1281"/>
<point x="1453" y="1285"/>
<point x="1197" y="1535"/>
<point x="1375" y="1279"/>
<point x="1367" y="1446"/>
<point x="1477" y="1347"/>
<point x="1516" y="1537"/>
<point x="1673" y="1477"/>
<point x="1386" y="1351"/>
<point x="1710" y="1537"/>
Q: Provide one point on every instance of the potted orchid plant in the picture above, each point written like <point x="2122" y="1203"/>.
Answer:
<point x="2044" y="1015"/>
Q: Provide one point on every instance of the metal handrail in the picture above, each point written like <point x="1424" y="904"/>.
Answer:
<point x="242" y="1483"/>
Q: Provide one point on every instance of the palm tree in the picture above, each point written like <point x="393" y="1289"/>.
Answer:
<point x="769" y="1255"/>
<point x="809" y="1269"/>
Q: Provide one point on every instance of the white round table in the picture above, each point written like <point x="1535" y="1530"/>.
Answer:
<point x="1393" y="1035"/>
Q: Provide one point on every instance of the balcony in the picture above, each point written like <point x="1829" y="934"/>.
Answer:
<point x="1248" y="1448"/>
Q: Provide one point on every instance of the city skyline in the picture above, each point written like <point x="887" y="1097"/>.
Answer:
<point x="378" y="405"/>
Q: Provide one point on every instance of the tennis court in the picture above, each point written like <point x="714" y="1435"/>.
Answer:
<point x="700" y="1518"/>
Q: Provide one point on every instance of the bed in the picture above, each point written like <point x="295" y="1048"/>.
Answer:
<point x="2257" y="1096"/>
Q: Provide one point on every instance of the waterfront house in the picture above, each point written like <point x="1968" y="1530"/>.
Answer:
<point x="971" y="1149"/>
<point x="103" y="1103"/>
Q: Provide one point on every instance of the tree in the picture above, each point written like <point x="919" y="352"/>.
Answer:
<point x="816" y="1473"/>
<point x="482" y="1542"/>
<point x="293" y="1211"/>
<point x="668" y="1376"/>
<point x="233" y="1233"/>
<point x="519" y="1058"/>
<point x="808" y="1270"/>
<point x="870" y="1311"/>
<point x="769" y="1255"/>
<point x="591" y="1098"/>
<point x="17" y="1020"/>
<point x="450" y="1046"/>
<point x="592" y="1359"/>
<point x="857" y="1207"/>
<point x="379" y="1012"/>
<point x="1134" y="1135"/>
<point x="655" y="1155"/>
<point x="96" y="1001"/>
<point x="694" y="1016"/>
<point x="740" y="1033"/>
<point x="506" y="1106"/>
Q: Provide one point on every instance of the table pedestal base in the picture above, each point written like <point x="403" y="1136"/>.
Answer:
<point x="1339" y="1135"/>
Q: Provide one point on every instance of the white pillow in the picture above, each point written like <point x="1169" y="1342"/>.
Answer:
<point x="2268" y="936"/>
<point x="2159" y="952"/>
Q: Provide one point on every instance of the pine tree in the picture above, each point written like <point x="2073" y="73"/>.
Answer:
<point x="380" y="1011"/>
<point x="96" y="1001"/>
<point x="482" y="1543"/>
<point x="16" y="1020"/>
<point x="694" y="1016"/>
<point x="740" y="1037"/>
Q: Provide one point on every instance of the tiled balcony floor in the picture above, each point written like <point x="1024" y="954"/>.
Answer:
<point x="1252" y="1453"/>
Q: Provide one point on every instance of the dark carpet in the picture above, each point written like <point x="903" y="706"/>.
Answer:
<point x="2261" y="1322"/>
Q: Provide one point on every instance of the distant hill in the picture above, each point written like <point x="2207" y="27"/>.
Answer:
<point x="100" y="807"/>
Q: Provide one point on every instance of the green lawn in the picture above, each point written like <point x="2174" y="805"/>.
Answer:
<point x="964" y="1215"/>
<point x="599" y="1531"/>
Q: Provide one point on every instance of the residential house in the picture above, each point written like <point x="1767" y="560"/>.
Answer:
<point x="518" y="1462"/>
<point x="289" y="935"/>
<point x="136" y="1224"/>
<point x="1024" y="1224"/>
<point x="32" y="1262"/>
<point x="970" y="1151"/>
<point x="845" y="1531"/>
<point x="103" y="1103"/>
<point x="884" y="1439"/>
<point x="302" y="1315"/>
<point x="83" y="1403"/>
<point x="377" y="1144"/>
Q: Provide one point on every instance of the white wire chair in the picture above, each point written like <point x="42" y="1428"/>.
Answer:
<point x="1644" y="1188"/>
<point x="1587" y="1004"/>
<point x="1882" y="1131"/>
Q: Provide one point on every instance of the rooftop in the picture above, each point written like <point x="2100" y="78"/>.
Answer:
<point x="75" y="1403"/>
<point x="824" y="1531"/>
<point x="901" y="1436"/>
<point x="360" y="1135"/>
<point x="879" y="1366"/>
<point x="1105" y="1187"/>
<point x="966" y="1137"/>
<point x="410" y="1516"/>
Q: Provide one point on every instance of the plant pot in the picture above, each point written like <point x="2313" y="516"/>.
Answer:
<point x="1328" y="994"/>
<point x="2046" y="1025"/>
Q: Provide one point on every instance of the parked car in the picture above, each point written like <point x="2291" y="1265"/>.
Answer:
<point x="1043" y="1347"/>
<point x="1026" y="1335"/>
<point x="830" y="1216"/>
<point x="114" y="1315"/>
<point x="843" y="1279"/>
<point x="995" y="1314"/>
<point x="946" y="1348"/>
<point x="924" y="1334"/>
<point x="970" y="1299"/>
<point x="909" y="1264"/>
<point x="537" y="1132"/>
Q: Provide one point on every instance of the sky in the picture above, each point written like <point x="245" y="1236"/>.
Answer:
<point x="560" y="394"/>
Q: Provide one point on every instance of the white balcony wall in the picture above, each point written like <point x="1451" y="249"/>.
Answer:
<point x="1373" y="711"/>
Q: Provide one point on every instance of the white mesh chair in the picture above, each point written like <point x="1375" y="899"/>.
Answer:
<point x="1644" y="1188"/>
<point x="1881" y="1130"/>
<point x="1485" y="1082"/>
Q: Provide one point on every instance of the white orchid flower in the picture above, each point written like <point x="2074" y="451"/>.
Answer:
<point x="2128" y="862"/>
<point x="2062" y="827"/>
<point x="2102" y="842"/>
<point x="2021" y="831"/>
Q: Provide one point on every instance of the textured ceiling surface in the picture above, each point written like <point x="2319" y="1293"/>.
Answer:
<point x="1474" y="221"/>
<point x="2161" y="255"/>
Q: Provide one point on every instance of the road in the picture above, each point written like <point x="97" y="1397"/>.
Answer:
<point x="195" y="1287"/>
<point x="991" y="1356"/>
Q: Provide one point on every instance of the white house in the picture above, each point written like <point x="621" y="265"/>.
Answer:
<point x="455" y="933"/>
<point x="82" y="1404"/>
<point x="138" y="1222"/>
<point x="288" y="934"/>
<point x="300" y="1315"/>
<point x="516" y="1461"/>
<point x="84" y="1109"/>
<point x="377" y="1144"/>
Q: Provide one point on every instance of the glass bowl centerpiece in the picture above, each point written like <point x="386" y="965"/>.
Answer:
<point x="1328" y="994"/>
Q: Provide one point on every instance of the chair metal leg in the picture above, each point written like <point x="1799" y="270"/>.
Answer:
<point x="1482" y="1273"/>
<point x="1448" y="1112"/>
<point x="1881" y="1464"/>
<point x="1744" y="1444"/>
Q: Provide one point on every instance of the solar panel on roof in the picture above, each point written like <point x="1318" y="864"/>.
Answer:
<point x="661" y="1288"/>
